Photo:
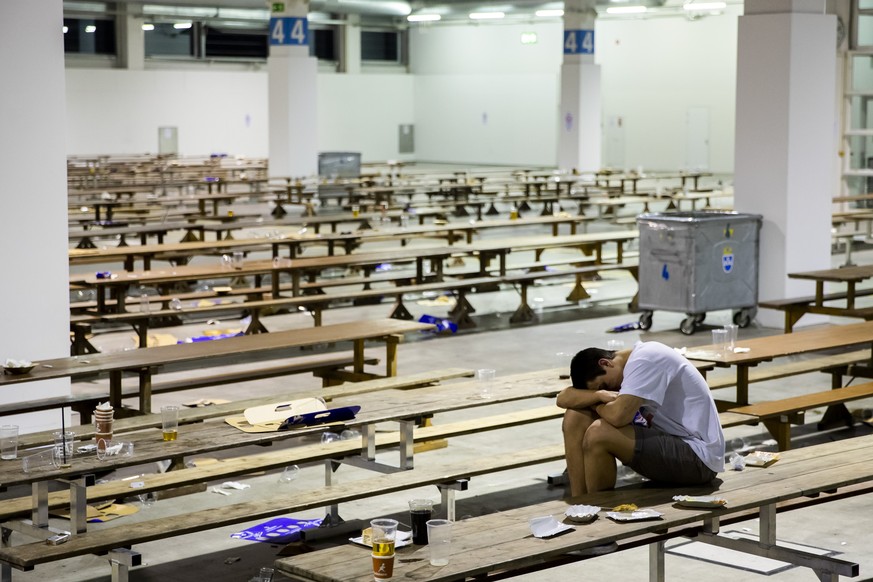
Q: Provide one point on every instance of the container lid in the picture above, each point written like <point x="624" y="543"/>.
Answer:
<point x="698" y="216"/>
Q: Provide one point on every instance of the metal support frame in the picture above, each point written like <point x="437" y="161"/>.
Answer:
<point x="122" y="560"/>
<point x="367" y="460"/>
<point x="447" y="495"/>
<point x="826" y="568"/>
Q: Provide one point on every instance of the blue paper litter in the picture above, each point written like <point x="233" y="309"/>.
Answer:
<point x="206" y="338"/>
<point x="442" y="325"/>
<point x="281" y="530"/>
<point x="624" y="327"/>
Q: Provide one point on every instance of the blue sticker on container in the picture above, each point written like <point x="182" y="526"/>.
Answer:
<point x="665" y="274"/>
<point x="727" y="259"/>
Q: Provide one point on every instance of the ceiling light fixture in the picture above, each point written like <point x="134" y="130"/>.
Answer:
<point x="66" y="29"/>
<point x="626" y="10"/>
<point x="148" y="27"/>
<point x="423" y="17"/>
<point x="486" y="15"/>
<point x="182" y="25"/>
<point x="90" y="28"/>
<point x="702" y="6"/>
<point x="547" y="13"/>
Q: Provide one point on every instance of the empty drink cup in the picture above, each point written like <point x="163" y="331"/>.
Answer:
<point x="439" y="538"/>
<point x="485" y="378"/>
<point x="420" y="512"/>
<point x="383" y="567"/>
<point x="64" y="444"/>
<point x="731" y="329"/>
<point x="237" y="260"/>
<point x="8" y="441"/>
<point x="719" y="341"/>
<point x="170" y="422"/>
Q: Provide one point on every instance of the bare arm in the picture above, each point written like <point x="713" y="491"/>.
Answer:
<point x="620" y="412"/>
<point x="577" y="398"/>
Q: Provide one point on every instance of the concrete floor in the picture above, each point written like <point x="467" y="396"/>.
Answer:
<point x="845" y="527"/>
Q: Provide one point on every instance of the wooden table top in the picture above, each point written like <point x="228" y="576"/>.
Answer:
<point x="778" y="346"/>
<point x="199" y="438"/>
<point x="539" y="242"/>
<point x="839" y="275"/>
<point x="503" y="541"/>
<point x="104" y="363"/>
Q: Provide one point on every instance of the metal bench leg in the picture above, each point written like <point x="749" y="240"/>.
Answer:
<point x="447" y="495"/>
<point x="656" y="562"/>
<point x="122" y="560"/>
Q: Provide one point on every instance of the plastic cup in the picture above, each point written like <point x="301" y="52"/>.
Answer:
<point x="562" y="362"/>
<point x="439" y="536"/>
<point x="45" y="460"/>
<point x="237" y="260"/>
<point x="384" y="535"/>
<point x="732" y="330"/>
<point x="420" y="512"/>
<point x="485" y="379"/>
<point x="719" y="341"/>
<point x="112" y="449"/>
<point x="383" y="567"/>
<point x="266" y="575"/>
<point x="170" y="422"/>
<point x="8" y="441"/>
<point x="64" y="444"/>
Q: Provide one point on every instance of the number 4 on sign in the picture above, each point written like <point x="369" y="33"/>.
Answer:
<point x="578" y="42"/>
<point x="288" y="30"/>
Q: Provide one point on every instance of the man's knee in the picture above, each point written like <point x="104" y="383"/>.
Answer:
<point x="598" y="435"/>
<point x="576" y="422"/>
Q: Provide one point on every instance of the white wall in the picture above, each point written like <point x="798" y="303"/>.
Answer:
<point x="475" y="95"/>
<point x="119" y="111"/>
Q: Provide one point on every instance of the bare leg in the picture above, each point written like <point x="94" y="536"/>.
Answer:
<point x="576" y="423"/>
<point x="602" y="445"/>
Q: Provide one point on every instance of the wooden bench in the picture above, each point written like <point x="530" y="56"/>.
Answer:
<point x="326" y="365"/>
<point x="832" y="364"/>
<point x="795" y="308"/>
<point x="779" y="415"/>
<point x="501" y="543"/>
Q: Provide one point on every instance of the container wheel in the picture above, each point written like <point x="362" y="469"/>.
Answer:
<point x="688" y="325"/>
<point x="699" y="317"/>
<point x="743" y="317"/>
<point x="646" y="320"/>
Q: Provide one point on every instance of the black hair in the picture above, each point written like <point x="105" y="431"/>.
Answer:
<point x="585" y="366"/>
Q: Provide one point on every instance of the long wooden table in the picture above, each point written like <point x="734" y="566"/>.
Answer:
<point x="145" y="361"/>
<point x="501" y="544"/>
<point x="764" y="349"/>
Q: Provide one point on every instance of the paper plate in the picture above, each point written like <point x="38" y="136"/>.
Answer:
<point x="701" y="501"/>
<point x="638" y="515"/>
<point x="582" y="513"/>
<point x="546" y="527"/>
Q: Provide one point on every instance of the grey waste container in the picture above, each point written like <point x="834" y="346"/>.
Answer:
<point x="694" y="262"/>
<point x="339" y="164"/>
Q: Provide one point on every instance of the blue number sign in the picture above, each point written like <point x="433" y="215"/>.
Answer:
<point x="287" y="30"/>
<point x="578" y="42"/>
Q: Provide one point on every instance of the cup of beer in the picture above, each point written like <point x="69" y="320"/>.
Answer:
<point x="170" y="422"/>
<point x="383" y="535"/>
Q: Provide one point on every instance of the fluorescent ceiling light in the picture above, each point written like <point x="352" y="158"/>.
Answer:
<point x="148" y="27"/>
<point x="66" y="30"/>
<point x="704" y="6"/>
<point x="626" y="10"/>
<point x="182" y="25"/>
<point x="546" y="13"/>
<point x="423" y="17"/>
<point x="90" y="28"/>
<point x="486" y="15"/>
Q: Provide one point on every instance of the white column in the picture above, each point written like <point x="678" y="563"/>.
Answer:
<point x="350" y="57"/>
<point x="785" y="139"/>
<point x="130" y="37"/>
<point x="579" y="134"/>
<point x="292" y="93"/>
<point x="34" y="295"/>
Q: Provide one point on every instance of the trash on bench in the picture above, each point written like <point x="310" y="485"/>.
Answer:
<point x="281" y="530"/>
<point x="209" y="337"/>
<point x="442" y="325"/>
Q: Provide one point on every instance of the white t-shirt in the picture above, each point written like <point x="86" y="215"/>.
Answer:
<point x="677" y="397"/>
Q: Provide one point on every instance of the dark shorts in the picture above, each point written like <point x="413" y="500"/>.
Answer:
<point x="667" y="459"/>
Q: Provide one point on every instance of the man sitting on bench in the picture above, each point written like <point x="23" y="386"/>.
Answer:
<point x="647" y="407"/>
